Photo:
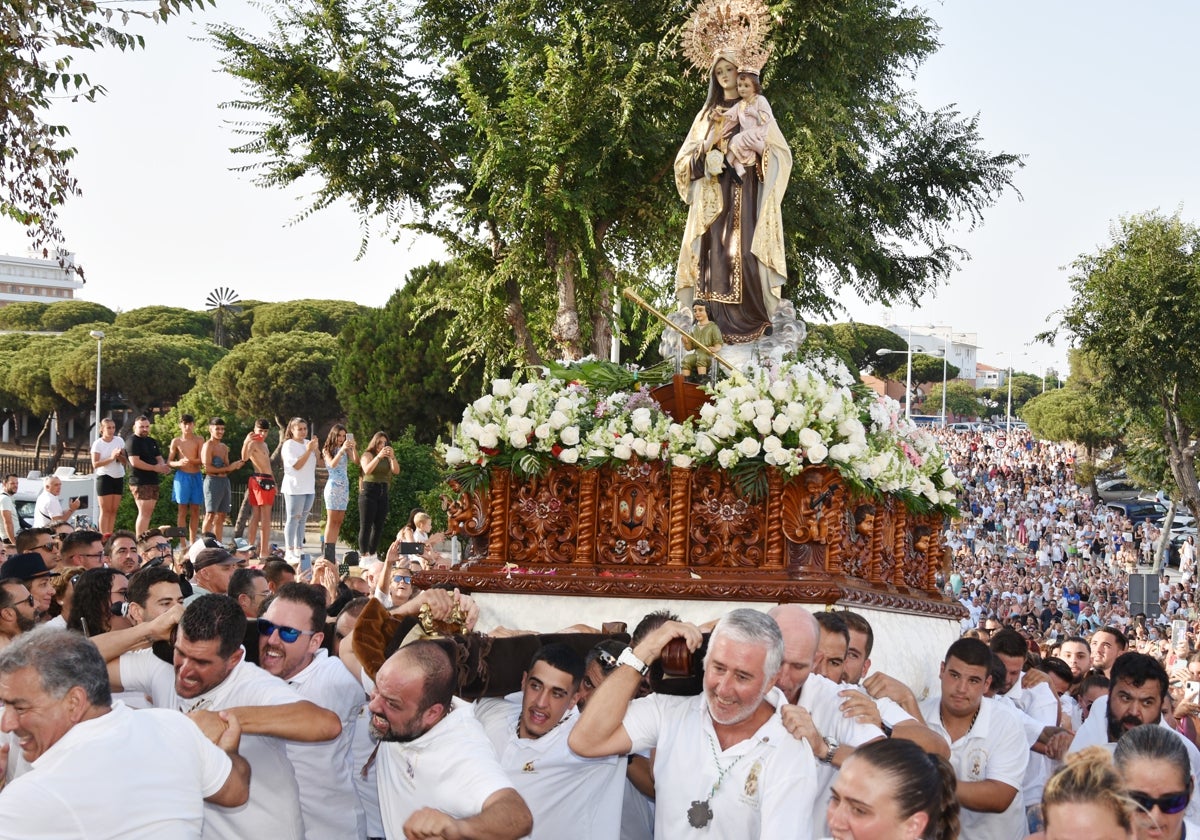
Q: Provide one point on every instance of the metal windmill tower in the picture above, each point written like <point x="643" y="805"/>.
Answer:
<point x="221" y="300"/>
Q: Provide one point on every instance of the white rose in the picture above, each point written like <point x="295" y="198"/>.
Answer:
<point x="542" y="431"/>
<point x="707" y="412"/>
<point x="816" y="453"/>
<point x="945" y="497"/>
<point x="724" y="428"/>
<point x="681" y="460"/>
<point x="808" y="437"/>
<point x="483" y="405"/>
<point x="746" y="412"/>
<point x="749" y="447"/>
<point x="762" y="424"/>
<point x="772" y="444"/>
<point x="518" y="406"/>
<point x="640" y="419"/>
<point x="839" y="452"/>
<point x="569" y="435"/>
<point x="781" y="424"/>
<point x="726" y="458"/>
<point x="528" y="391"/>
<point x="518" y="440"/>
<point x="455" y="456"/>
<point x="640" y="447"/>
<point x="569" y="456"/>
<point x="623" y="451"/>
<point x="489" y="436"/>
<point x="705" y="444"/>
<point x="764" y="408"/>
<point x="558" y="419"/>
<point x="563" y="404"/>
<point x="597" y="453"/>
<point x="778" y="390"/>
<point x="502" y="387"/>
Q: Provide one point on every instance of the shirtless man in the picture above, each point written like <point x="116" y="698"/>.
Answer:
<point x="218" y="496"/>
<point x="188" y="488"/>
<point x="260" y="490"/>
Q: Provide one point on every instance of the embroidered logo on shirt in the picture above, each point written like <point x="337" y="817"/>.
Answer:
<point x="528" y="768"/>
<point x="752" y="779"/>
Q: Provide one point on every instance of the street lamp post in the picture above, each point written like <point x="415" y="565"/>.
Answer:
<point x="99" y="336"/>
<point x="945" y="357"/>
<point x="1008" y="411"/>
<point x="883" y="351"/>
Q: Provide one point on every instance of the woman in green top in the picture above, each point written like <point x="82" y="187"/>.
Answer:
<point x="378" y="464"/>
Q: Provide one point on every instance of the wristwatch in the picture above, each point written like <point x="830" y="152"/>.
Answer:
<point x="628" y="657"/>
<point x="831" y="748"/>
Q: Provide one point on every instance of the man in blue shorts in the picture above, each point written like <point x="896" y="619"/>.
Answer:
<point x="188" y="488"/>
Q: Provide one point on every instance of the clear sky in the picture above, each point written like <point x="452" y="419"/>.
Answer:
<point x="1097" y="94"/>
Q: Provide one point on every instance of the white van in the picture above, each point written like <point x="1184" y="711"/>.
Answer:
<point x="74" y="486"/>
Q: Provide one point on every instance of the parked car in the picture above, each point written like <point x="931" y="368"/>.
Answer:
<point x="1137" y="510"/>
<point x="1114" y="489"/>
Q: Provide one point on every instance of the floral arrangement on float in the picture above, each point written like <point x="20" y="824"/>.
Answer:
<point x="791" y="416"/>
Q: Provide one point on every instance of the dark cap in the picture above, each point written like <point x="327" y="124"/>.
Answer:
<point x="213" y="557"/>
<point x="25" y="566"/>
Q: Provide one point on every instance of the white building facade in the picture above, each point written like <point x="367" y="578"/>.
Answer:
<point x="24" y="279"/>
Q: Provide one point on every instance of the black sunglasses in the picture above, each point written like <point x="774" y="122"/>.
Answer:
<point x="286" y="634"/>
<point x="1172" y="803"/>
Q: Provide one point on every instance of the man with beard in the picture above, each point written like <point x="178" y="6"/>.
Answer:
<point x="147" y="463"/>
<point x="725" y="763"/>
<point x="1135" y="698"/>
<point x="1107" y="644"/>
<point x="569" y="796"/>
<point x="438" y="775"/>
<point x="17" y="614"/>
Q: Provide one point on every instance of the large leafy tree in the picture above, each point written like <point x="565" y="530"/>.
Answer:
<point x="281" y="376"/>
<point x="327" y="316"/>
<point x="39" y="43"/>
<point x="394" y="369"/>
<point x="166" y="320"/>
<point x="864" y="341"/>
<point x="1136" y="313"/>
<point x="61" y="316"/>
<point x="536" y="140"/>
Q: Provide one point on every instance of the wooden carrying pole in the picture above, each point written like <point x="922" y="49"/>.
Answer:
<point x="630" y="294"/>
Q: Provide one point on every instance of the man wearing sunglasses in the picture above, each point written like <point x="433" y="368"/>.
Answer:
<point x="1136" y="696"/>
<point x="31" y="571"/>
<point x="17" y="614"/>
<point x="83" y="548"/>
<point x="291" y="631"/>
<point x="41" y="540"/>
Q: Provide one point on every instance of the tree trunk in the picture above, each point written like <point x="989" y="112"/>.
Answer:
<point x="603" y="317"/>
<point x="1181" y="454"/>
<point x="565" y="330"/>
<point x="514" y="310"/>
<point x="1160" y="548"/>
<point x="37" y="445"/>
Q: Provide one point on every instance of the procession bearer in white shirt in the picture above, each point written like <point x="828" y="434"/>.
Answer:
<point x="55" y="698"/>
<point x="725" y="764"/>
<point x="437" y="773"/>
<point x="290" y="633"/>
<point x="570" y="796"/>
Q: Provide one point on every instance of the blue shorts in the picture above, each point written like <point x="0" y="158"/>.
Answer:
<point x="188" y="488"/>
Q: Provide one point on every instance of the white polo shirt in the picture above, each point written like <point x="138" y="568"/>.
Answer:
<point x="324" y="769"/>
<point x="1040" y="709"/>
<point x="569" y="796"/>
<point x="819" y="696"/>
<point x="769" y="782"/>
<point x="273" y="809"/>
<point x="994" y="749"/>
<point x="451" y="768"/>
<point x="125" y="775"/>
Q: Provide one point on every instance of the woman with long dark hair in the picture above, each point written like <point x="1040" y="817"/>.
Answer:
<point x="379" y="467"/>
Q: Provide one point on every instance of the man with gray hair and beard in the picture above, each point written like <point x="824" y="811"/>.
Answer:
<point x="438" y="773"/>
<point x="725" y="763"/>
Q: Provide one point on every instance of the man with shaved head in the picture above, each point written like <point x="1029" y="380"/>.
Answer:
<point x="816" y="714"/>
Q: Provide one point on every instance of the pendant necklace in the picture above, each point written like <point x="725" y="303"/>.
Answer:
<point x="700" y="814"/>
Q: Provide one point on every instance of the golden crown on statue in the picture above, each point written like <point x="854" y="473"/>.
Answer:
<point x="735" y="30"/>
